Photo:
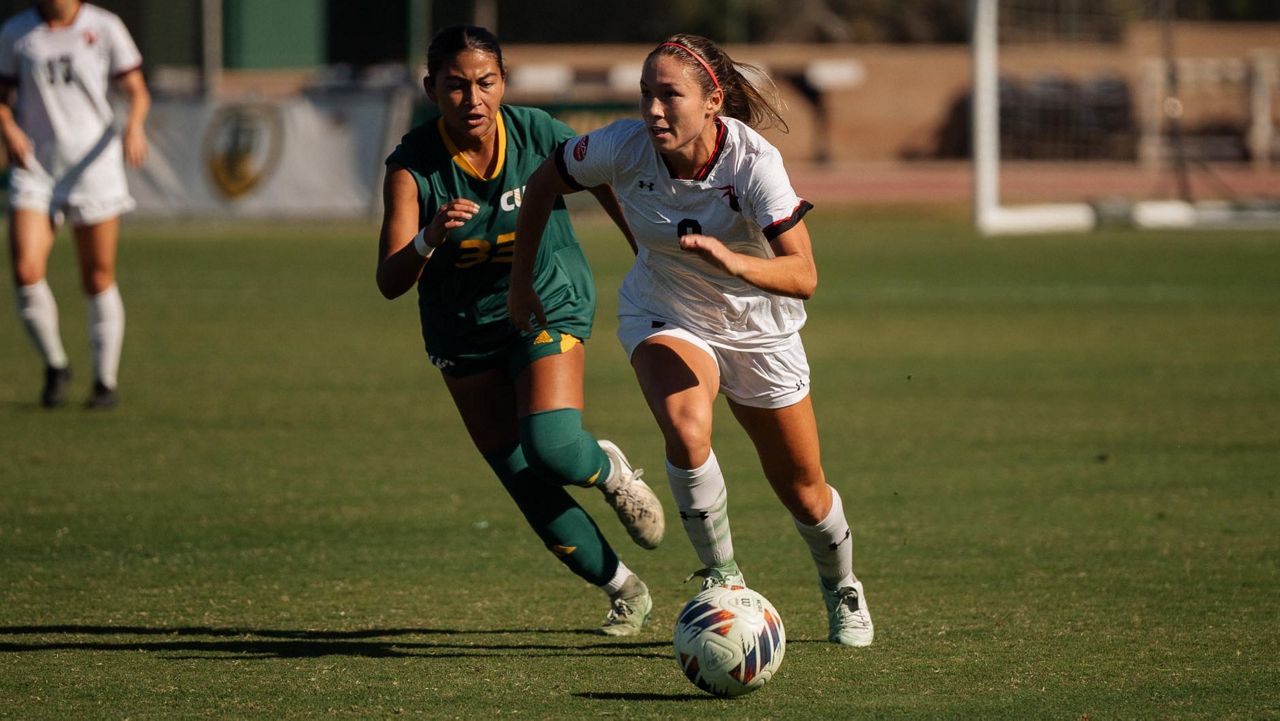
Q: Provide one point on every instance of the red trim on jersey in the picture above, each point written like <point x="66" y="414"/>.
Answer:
<point x="705" y="170"/>
<point x="123" y="73"/>
<point x="564" y="169"/>
<point x="778" y="227"/>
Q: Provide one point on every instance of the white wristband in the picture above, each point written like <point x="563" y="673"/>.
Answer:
<point x="420" y="244"/>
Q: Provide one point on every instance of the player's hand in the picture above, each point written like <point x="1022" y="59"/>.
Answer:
<point x="523" y="305"/>
<point x="453" y="214"/>
<point x="135" y="146"/>
<point x="711" y="250"/>
<point x="18" y="146"/>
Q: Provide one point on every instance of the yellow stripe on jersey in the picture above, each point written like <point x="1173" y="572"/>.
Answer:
<point x="461" y="159"/>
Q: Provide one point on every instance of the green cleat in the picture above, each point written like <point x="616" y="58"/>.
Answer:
<point x="729" y="576"/>
<point x="629" y="609"/>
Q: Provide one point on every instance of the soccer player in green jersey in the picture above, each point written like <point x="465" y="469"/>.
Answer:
<point x="452" y="193"/>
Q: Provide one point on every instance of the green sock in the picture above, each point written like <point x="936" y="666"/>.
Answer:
<point x="559" y="521"/>
<point x="557" y="446"/>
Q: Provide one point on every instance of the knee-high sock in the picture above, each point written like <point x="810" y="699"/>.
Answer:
<point x="701" y="497"/>
<point x="831" y="545"/>
<point x="556" y="444"/>
<point x="39" y="313"/>
<point x="559" y="521"/>
<point x="106" y="334"/>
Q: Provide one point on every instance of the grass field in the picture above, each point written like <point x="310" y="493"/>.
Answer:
<point x="1061" y="455"/>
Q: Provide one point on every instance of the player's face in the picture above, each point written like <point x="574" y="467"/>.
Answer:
<point x="468" y="91"/>
<point x="58" y="8"/>
<point x="672" y="103"/>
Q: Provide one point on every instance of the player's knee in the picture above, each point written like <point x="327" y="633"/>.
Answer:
<point x="554" y="443"/>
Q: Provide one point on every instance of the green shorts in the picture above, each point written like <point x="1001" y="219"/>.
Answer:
<point x="522" y="349"/>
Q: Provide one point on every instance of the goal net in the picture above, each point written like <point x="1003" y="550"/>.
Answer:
<point x="1090" y="112"/>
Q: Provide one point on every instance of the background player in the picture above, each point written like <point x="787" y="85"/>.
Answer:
<point x="456" y="183"/>
<point x="713" y="303"/>
<point x="56" y="63"/>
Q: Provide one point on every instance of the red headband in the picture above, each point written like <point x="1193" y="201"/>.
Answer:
<point x="703" y="63"/>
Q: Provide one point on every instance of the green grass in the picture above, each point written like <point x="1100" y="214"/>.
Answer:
<point x="1060" y="454"/>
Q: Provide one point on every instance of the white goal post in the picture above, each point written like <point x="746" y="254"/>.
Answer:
<point x="1152" y="110"/>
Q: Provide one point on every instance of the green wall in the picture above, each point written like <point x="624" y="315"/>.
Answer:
<point x="273" y="33"/>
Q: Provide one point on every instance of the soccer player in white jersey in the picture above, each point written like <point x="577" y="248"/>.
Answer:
<point x="714" y="301"/>
<point x="57" y="62"/>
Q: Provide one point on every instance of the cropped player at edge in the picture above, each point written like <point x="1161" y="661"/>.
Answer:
<point x="452" y="192"/>
<point x="714" y="301"/>
<point x="67" y="160"/>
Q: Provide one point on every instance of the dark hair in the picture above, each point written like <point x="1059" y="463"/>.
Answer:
<point x="752" y="103"/>
<point x="450" y="41"/>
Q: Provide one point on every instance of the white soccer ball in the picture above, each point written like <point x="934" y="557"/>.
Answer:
<point x="729" y="640"/>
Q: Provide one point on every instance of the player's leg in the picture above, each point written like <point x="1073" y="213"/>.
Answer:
<point x="680" y="381"/>
<point x="487" y="403"/>
<point x="31" y="235"/>
<point x="96" y="245"/>
<point x="550" y="404"/>
<point x="786" y="439"/>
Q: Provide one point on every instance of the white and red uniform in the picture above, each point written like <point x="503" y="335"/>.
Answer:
<point x="742" y="197"/>
<point x="63" y="76"/>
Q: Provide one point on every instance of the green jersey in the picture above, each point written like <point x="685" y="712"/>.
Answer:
<point x="462" y="294"/>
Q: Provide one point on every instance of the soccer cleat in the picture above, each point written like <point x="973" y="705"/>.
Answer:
<point x="102" y="398"/>
<point x="848" y="619"/>
<point x="55" y="386"/>
<point x="723" y="576"/>
<point x="632" y="499"/>
<point x="629" y="609"/>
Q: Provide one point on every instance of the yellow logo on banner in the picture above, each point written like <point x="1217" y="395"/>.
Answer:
<point x="242" y="147"/>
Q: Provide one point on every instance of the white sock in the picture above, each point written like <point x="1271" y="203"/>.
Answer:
<point x="702" y="500"/>
<point x="615" y="584"/>
<point x="106" y="334"/>
<point x="831" y="545"/>
<point x="39" y="313"/>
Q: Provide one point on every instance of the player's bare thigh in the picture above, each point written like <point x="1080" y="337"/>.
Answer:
<point x="552" y="382"/>
<point x="31" y="235"/>
<point x="487" y="403"/>
<point x="786" y="439"/>
<point x="680" y="382"/>
<point x="96" y="246"/>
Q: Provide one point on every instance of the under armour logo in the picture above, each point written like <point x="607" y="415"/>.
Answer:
<point x="684" y="515"/>
<point x="646" y="186"/>
<point x="836" y="545"/>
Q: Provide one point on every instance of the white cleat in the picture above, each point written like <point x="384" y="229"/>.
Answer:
<point x="848" y="618"/>
<point x="629" y="610"/>
<point x="631" y="498"/>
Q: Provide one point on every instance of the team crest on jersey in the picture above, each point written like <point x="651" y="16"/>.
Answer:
<point x="242" y="147"/>
<point x="580" y="149"/>
<point x="90" y="38"/>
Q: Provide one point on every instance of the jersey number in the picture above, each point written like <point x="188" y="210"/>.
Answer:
<point x="687" y="226"/>
<point x="478" y="250"/>
<point x="59" y="69"/>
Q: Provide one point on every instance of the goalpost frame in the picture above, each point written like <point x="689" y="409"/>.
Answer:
<point x="989" y="215"/>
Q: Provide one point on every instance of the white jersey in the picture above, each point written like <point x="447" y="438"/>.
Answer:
<point x="742" y="197"/>
<point x="62" y="76"/>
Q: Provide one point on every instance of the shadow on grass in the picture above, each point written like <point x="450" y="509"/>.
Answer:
<point x="204" y="642"/>
<point x="616" y="696"/>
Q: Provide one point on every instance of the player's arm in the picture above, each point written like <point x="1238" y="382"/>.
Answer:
<point x="540" y="193"/>
<point x="609" y="201"/>
<point x="134" y="88"/>
<point x="791" y="272"/>
<point x="16" y="142"/>
<point x="403" y="247"/>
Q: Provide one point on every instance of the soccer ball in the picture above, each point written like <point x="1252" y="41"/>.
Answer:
<point x="729" y="640"/>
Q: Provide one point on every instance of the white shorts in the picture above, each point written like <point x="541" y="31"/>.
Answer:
<point x="85" y="196"/>
<point x="769" y="379"/>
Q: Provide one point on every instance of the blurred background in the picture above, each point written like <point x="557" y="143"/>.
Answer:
<point x="287" y="107"/>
